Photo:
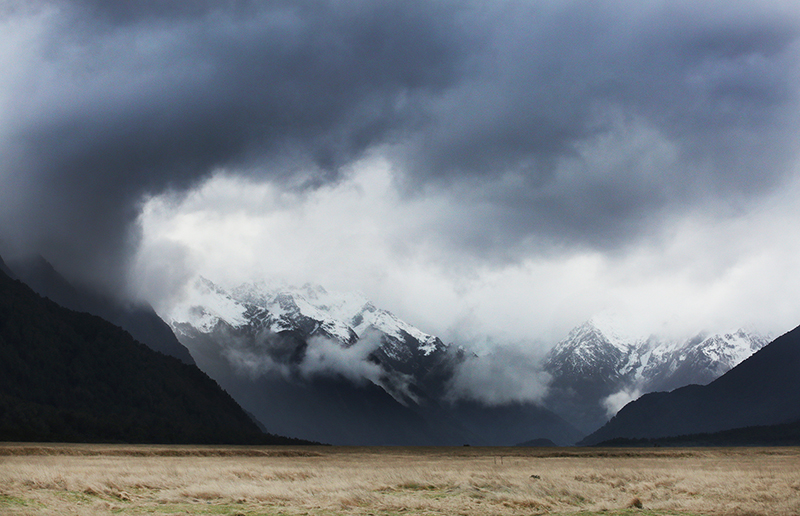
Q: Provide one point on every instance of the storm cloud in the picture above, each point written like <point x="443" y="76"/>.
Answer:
<point x="554" y="138"/>
<point x="587" y="123"/>
<point x="107" y="102"/>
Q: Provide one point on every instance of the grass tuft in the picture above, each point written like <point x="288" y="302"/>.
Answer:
<point x="635" y="503"/>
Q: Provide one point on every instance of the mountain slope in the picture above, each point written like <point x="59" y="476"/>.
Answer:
<point x="346" y="371"/>
<point x="762" y="390"/>
<point x="597" y="369"/>
<point x="69" y="376"/>
<point x="141" y="321"/>
<point x="4" y="269"/>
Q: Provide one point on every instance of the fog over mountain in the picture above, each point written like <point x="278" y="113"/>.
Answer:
<point x="597" y="370"/>
<point x="495" y="174"/>
<point x="333" y="367"/>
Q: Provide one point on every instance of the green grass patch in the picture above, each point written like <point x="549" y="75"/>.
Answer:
<point x="78" y="497"/>
<point x="627" y="512"/>
<point x="415" y="486"/>
<point x="16" y="501"/>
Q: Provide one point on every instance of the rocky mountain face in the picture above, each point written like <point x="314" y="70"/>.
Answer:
<point x="333" y="367"/>
<point x="597" y="369"/>
<point x="762" y="390"/>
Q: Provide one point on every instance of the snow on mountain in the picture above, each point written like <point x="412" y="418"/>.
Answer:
<point x="333" y="367"/>
<point x="343" y="316"/>
<point x="595" y="370"/>
<point x="596" y="347"/>
<point x="726" y="350"/>
<point x="597" y="365"/>
<point x="207" y="305"/>
<point x="355" y="310"/>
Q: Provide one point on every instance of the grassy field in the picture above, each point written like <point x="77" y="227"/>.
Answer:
<point x="128" y="480"/>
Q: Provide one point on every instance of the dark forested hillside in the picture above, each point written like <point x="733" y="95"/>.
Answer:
<point x="140" y="320"/>
<point x="787" y="434"/>
<point x="73" y="377"/>
<point x="4" y="268"/>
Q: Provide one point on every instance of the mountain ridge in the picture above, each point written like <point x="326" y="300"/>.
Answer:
<point x="70" y="376"/>
<point x="140" y="320"/>
<point x="762" y="390"/>
<point x="596" y="370"/>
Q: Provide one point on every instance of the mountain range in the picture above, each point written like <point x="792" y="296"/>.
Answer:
<point x="762" y="391"/>
<point x="332" y="367"/>
<point x="339" y="369"/>
<point x="598" y="368"/>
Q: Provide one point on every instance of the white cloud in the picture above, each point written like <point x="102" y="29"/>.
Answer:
<point x="325" y="357"/>
<point x="253" y="363"/>
<point x="614" y="402"/>
<point x="713" y="267"/>
<point x="506" y="375"/>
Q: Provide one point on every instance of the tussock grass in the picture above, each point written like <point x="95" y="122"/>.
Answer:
<point x="321" y="481"/>
<point x="91" y="450"/>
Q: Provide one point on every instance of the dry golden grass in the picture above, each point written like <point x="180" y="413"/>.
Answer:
<point x="104" y="480"/>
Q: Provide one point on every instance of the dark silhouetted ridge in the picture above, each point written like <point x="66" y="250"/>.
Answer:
<point x="4" y="269"/>
<point x="74" y="377"/>
<point x="787" y="434"/>
<point x="140" y="320"/>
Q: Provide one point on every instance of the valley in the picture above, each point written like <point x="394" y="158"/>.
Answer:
<point x="331" y="367"/>
<point x="348" y="257"/>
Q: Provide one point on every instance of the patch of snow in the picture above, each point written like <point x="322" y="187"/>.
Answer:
<point x="205" y="305"/>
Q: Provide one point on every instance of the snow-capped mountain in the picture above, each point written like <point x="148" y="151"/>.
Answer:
<point x="305" y="331"/>
<point x="755" y="403"/>
<point x="333" y="367"/>
<point x="311" y="310"/>
<point x="597" y="368"/>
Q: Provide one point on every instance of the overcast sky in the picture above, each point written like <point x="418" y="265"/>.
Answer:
<point x="491" y="172"/>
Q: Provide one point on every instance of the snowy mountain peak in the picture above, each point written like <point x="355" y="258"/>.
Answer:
<point x="586" y="350"/>
<point x="727" y="350"/>
<point x="205" y="306"/>
<point x="343" y="316"/>
<point x="597" y="368"/>
<point x="598" y="346"/>
<point x="596" y="364"/>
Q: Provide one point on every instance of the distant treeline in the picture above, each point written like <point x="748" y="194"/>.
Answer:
<point x="787" y="434"/>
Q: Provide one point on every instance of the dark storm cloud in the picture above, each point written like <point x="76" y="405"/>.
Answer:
<point x="553" y="123"/>
<point x="122" y="99"/>
<point x="588" y="122"/>
<point x="551" y="76"/>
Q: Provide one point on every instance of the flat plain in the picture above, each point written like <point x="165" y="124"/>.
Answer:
<point x="207" y="480"/>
